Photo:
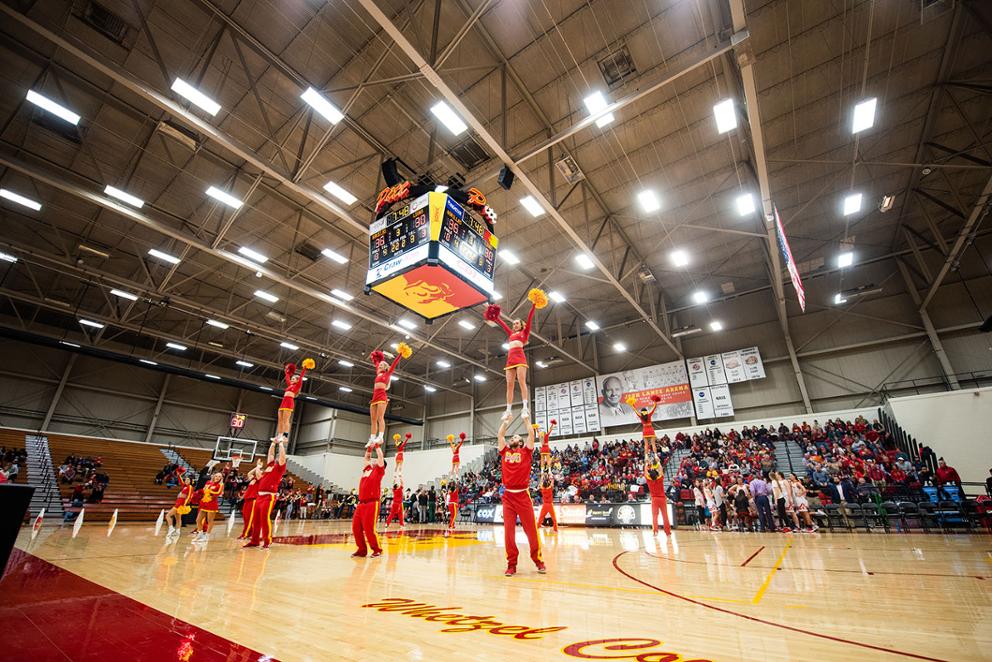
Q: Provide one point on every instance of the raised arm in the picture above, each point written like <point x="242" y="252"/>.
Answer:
<point x="379" y="461"/>
<point x="272" y="453"/>
<point x="530" y="320"/>
<point x="396" y="362"/>
<point x="492" y="314"/>
<point x="290" y="370"/>
<point x="501" y="435"/>
<point x="530" y="432"/>
<point x="282" y="452"/>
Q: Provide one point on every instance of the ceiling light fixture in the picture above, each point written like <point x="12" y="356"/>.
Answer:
<point x="54" y="108"/>
<point x="429" y="388"/>
<point x="597" y="104"/>
<point x="209" y="376"/>
<point x="541" y="364"/>
<point x="340" y="193"/>
<point x="852" y="204"/>
<point x="91" y="323"/>
<point x="679" y="257"/>
<point x="334" y="255"/>
<point x="619" y="347"/>
<point x="839" y="299"/>
<point x="726" y="116"/>
<point x="864" y="115"/>
<point x="341" y="294"/>
<point x="700" y="296"/>
<point x="346" y="364"/>
<point x="224" y="197"/>
<point x="325" y="108"/>
<point x="195" y="96"/>
<point x="20" y="199"/>
<point x="556" y="296"/>
<point x="465" y="324"/>
<point x="508" y="257"/>
<point x="7" y="257"/>
<point x="218" y="324"/>
<point x="406" y="324"/>
<point x="449" y="118"/>
<point x="592" y="326"/>
<point x="124" y="295"/>
<point x="253" y="255"/>
<point x="584" y="261"/>
<point x="267" y="296"/>
<point x="649" y="201"/>
<point x="176" y="346"/>
<point x="845" y="259"/>
<point x="443" y="364"/>
<point x="344" y="389"/>
<point x="165" y="257"/>
<point x="531" y="204"/>
<point x="245" y="364"/>
<point x="289" y="346"/>
<point x="479" y="378"/>
<point x="341" y="324"/>
<point x="124" y="196"/>
<point x="745" y="204"/>
<point x="147" y="362"/>
<point x="716" y="325"/>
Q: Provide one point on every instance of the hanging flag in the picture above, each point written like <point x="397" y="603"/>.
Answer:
<point x="230" y="521"/>
<point x="790" y="264"/>
<point x="112" y="524"/>
<point x="79" y="522"/>
<point x="159" y="521"/>
<point x="36" y="527"/>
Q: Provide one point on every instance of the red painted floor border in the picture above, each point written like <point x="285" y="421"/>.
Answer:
<point x="48" y="613"/>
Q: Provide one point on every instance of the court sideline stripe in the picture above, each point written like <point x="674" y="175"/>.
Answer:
<point x="755" y="619"/>
<point x="768" y="580"/>
<point x="752" y="556"/>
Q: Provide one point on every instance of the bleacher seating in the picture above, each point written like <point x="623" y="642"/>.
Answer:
<point x="198" y="457"/>
<point x="15" y="439"/>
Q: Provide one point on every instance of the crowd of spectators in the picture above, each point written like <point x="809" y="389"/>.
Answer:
<point x="11" y="462"/>
<point x="84" y="473"/>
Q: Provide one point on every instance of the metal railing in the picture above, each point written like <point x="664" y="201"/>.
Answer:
<point x="937" y="383"/>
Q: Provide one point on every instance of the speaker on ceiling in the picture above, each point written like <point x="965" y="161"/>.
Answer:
<point x="506" y="177"/>
<point x="389" y="172"/>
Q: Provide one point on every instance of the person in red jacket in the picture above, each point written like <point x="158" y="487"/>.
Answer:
<point x="367" y="511"/>
<point x="516" y="456"/>
<point x="452" y="504"/>
<point x="546" y="449"/>
<point x="248" y="499"/>
<point x="175" y="515"/>
<point x="947" y="475"/>
<point x="547" y="500"/>
<point x="209" y="505"/>
<point x="268" y="490"/>
<point x="396" y="507"/>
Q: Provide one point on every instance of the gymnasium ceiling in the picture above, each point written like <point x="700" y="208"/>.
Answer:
<point x="522" y="70"/>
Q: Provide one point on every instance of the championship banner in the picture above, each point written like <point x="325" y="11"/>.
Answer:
<point x="790" y="264"/>
<point x="753" y="367"/>
<point x="714" y="369"/>
<point x="578" y="420"/>
<point x="723" y="406"/>
<point x="733" y="366"/>
<point x="668" y="381"/>
<point x="703" y="400"/>
<point x="575" y="392"/>
<point x="697" y="372"/>
<point x="540" y="399"/>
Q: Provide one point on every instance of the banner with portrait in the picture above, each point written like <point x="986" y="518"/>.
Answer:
<point x="668" y="381"/>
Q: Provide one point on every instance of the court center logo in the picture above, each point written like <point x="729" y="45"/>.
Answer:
<point x="626" y="515"/>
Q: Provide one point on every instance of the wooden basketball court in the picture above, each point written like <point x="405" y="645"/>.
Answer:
<point x="609" y="594"/>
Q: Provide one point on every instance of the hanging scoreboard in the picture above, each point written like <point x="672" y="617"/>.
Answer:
<point x="431" y="256"/>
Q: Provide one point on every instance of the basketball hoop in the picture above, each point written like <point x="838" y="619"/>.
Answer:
<point x="236" y="458"/>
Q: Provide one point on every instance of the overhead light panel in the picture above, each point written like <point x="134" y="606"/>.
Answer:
<point x="56" y="109"/>
<point x="124" y="295"/>
<point x="679" y="257"/>
<point x="864" y="115"/>
<point x="344" y="389"/>
<point x="649" y="201"/>
<point x="224" y="197"/>
<point x="91" y="323"/>
<point x="845" y="259"/>
<point x="497" y="296"/>
<point x="429" y="388"/>
<point x="195" y="96"/>
<point x="124" y="196"/>
<point x="341" y="294"/>
<point x="852" y="204"/>
<point x="253" y="255"/>
<point x="745" y="204"/>
<point x="592" y="326"/>
<point x="448" y="118"/>
<point x="218" y="324"/>
<point x="289" y="346"/>
<point x="334" y="255"/>
<point x="20" y="199"/>
<point x="584" y="261"/>
<point x="443" y="364"/>
<point x="541" y="364"/>
<point x="340" y="193"/>
<point x="886" y="203"/>
<point x="147" y="362"/>
<point x="407" y="324"/>
<point x="619" y="347"/>
<point x="266" y="296"/>
<point x="556" y="296"/>
<point x="531" y="204"/>
<point x="465" y="324"/>
<point x="508" y="257"/>
<point x="685" y="331"/>
<point x="209" y="376"/>
<point x="176" y="346"/>
<point x="596" y="104"/>
<point x="716" y="325"/>
<point x="341" y="324"/>
<point x="7" y="257"/>
<point x="726" y="116"/>
<point x="165" y="257"/>
<point x="245" y="364"/>
<point x="346" y="364"/>
<point x="839" y="299"/>
<point x="479" y="378"/>
<point x="699" y="296"/>
<point x="325" y="108"/>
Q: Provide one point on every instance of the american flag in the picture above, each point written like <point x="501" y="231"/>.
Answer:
<point x="790" y="264"/>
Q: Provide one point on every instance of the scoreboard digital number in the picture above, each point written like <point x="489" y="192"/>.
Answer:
<point x="467" y="242"/>
<point x="399" y="238"/>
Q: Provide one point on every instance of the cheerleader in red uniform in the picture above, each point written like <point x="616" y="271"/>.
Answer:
<point x="400" y="446"/>
<point x="644" y="416"/>
<point x="547" y="500"/>
<point x="396" y="507"/>
<point x="383" y="373"/>
<point x="209" y="505"/>
<point x="654" y="472"/>
<point x="248" y="499"/>
<point x="175" y="515"/>
<point x="456" y="460"/>
<point x="452" y="504"/>
<point x="546" y="448"/>
<point x="294" y="383"/>
<point x="518" y="333"/>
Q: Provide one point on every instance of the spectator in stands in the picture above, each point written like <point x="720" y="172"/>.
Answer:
<point x="12" y="471"/>
<point x="946" y="475"/>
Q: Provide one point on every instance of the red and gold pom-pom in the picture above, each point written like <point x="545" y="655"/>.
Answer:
<point x="409" y="436"/>
<point x="536" y="426"/>
<point x="309" y="364"/>
<point x="377" y="357"/>
<point x="492" y="312"/>
<point x="451" y="438"/>
<point x="538" y="298"/>
<point x="655" y="398"/>
<point x="183" y="510"/>
<point x="631" y="400"/>
<point x="554" y="422"/>
<point x="404" y="350"/>
<point x="396" y="437"/>
<point x="462" y="435"/>
<point x="291" y="367"/>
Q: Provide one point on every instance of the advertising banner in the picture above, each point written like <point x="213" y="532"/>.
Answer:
<point x="733" y="366"/>
<point x="669" y="381"/>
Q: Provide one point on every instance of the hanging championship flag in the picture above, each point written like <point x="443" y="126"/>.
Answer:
<point x="79" y="522"/>
<point x="112" y="523"/>
<point x="158" y="522"/>
<point x="36" y="527"/>
<point x="790" y="264"/>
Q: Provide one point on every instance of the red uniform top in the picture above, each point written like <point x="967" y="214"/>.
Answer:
<point x="545" y="447"/>
<point x="397" y="496"/>
<point x="647" y="430"/>
<point x="516" y="467"/>
<point x="399" y="449"/>
<point x="547" y="494"/>
<point x="251" y="492"/>
<point x="292" y="389"/>
<point x="370" y="486"/>
<point x="522" y="335"/>
<point x="269" y="482"/>
<point x="454" y="451"/>
<point x="453" y="498"/>
<point x="656" y="487"/>
<point x="185" y="494"/>
<point x="211" y="491"/>
<point x="382" y="378"/>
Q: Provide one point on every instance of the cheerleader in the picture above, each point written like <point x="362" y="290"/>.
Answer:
<point x="452" y="504"/>
<point x="181" y="507"/>
<point x="516" y="363"/>
<point x="294" y="383"/>
<point x="400" y="446"/>
<point x="546" y="447"/>
<point x="383" y="375"/>
<point x="547" y="500"/>
<point x="801" y="504"/>
<point x="209" y="505"/>
<point x="644" y="416"/>
<point x="455" y="456"/>
<point x="248" y="499"/>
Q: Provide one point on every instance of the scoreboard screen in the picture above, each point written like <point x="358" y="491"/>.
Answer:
<point x="467" y="238"/>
